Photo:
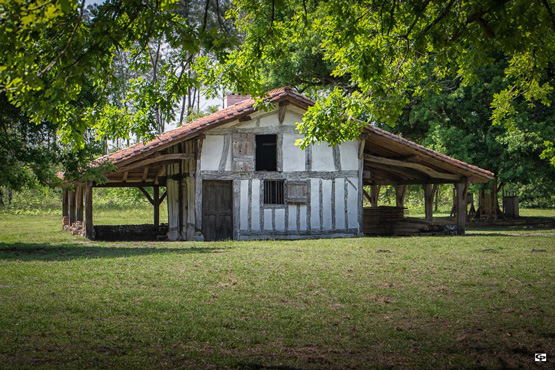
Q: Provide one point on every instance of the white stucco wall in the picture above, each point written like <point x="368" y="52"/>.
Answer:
<point x="293" y="156"/>
<point x="322" y="157"/>
<point x="212" y="152"/>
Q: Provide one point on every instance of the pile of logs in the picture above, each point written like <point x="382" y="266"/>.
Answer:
<point x="380" y="220"/>
<point x="416" y="226"/>
<point x="391" y="221"/>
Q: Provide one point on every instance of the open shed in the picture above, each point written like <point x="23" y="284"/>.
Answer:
<point x="237" y="174"/>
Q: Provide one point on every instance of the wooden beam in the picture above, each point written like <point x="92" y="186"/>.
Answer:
<point x="72" y="213"/>
<point x="460" y="201"/>
<point x="400" y="192"/>
<point x="145" y="173"/>
<point x="79" y="205"/>
<point x="65" y="209"/>
<point x="161" y="172"/>
<point x="128" y="184"/>
<point x="200" y="140"/>
<point x="156" y="204"/>
<point x="163" y="197"/>
<point x="429" y="192"/>
<point x="402" y="172"/>
<point x="366" y="195"/>
<point x="147" y="195"/>
<point x="281" y="113"/>
<point x="361" y="145"/>
<point x="156" y="159"/>
<point x="125" y="174"/>
<point x="408" y="182"/>
<point x="420" y="167"/>
<point x="89" y="228"/>
<point x="374" y="194"/>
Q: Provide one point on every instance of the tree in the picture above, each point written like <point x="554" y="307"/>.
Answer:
<point x="361" y="59"/>
<point x="372" y="57"/>
<point x="52" y="51"/>
<point x="458" y="122"/>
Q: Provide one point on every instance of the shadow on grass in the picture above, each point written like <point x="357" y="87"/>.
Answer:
<point x="65" y="252"/>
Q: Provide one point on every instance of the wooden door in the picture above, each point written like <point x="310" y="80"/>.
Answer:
<point x="217" y="210"/>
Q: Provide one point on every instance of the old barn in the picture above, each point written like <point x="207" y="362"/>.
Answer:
<point x="237" y="174"/>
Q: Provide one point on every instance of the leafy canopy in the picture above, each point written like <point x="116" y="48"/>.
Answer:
<point x="373" y="56"/>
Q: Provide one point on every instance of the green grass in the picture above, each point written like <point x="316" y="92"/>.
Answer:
<point x="481" y="301"/>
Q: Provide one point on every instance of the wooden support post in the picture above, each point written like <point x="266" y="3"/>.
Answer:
<point x="400" y="191"/>
<point x="89" y="228"/>
<point x="156" y="199"/>
<point x="374" y="194"/>
<point x="460" y="201"/>
<point x="494" y="202"/>
<point x="428" y="201"/>
<point x="72" y="214"/>
<point x="65" y="209"/>
<point x="79" y="205"/>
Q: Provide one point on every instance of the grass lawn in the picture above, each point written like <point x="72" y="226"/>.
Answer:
<point x="480" y="301"/>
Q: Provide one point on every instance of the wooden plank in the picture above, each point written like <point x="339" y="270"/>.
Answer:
<point x="145" y="173"/>
<point x="65" y="205"/>
<point x="147" y="195"/>
<point x="89" y="228"/>
<point x="217" y="210"/>
<point x="243" y="147"/>
<point x="156" y="204"/>
<point x="420" y="167"/>
<point x="125" y="174"/>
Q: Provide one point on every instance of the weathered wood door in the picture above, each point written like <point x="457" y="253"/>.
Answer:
<point x="217" y="210"/>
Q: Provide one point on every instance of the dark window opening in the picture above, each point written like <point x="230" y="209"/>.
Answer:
<point x="266" y="153"/>
<point x="274" y="192"/>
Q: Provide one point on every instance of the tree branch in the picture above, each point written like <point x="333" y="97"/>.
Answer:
<point x="69" y="41"/>
<point x="439" y="17"/>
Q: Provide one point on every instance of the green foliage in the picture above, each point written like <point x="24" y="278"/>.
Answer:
<point x="458" y="122"/>
<point x="380" y="55"/>
<point x="61" y="61"/>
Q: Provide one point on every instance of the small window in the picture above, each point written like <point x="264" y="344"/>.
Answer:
<point x="266" y="153"/>
<point x="273" y="192"/>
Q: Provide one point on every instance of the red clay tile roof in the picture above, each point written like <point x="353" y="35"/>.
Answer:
<point x="235" y="111"/>
<point x="245" y="108"/>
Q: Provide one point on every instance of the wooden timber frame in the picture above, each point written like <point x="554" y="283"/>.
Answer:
<point x="391" y="160"/>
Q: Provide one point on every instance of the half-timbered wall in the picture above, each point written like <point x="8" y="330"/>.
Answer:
<point x="322" y="187"/>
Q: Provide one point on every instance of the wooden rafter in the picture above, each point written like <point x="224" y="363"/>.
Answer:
<point x="417" y="166"/>
<point x="160" y="158"/>
<point x="161" y="172"/>
<point x="145" y="173"/>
